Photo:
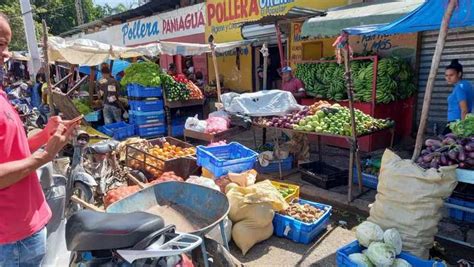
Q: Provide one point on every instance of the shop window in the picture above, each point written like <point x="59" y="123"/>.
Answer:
<point x="312" y="50"/>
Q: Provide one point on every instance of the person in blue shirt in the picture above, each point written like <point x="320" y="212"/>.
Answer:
<point x="461" y="99"/>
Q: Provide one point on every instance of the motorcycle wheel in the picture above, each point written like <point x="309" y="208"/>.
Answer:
<point x="83" y="192"/>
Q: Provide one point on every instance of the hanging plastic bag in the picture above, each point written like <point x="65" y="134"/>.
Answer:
<point x="194" y="124"/>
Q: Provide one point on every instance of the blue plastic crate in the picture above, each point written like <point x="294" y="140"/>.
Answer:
<point x="298" y="231"/>
<point x="342" y="257"/>
<point x="220" y="160"/>
<point x="177" y="130"/>
<point x="146" y="105"/>
<point x="136" y="90"/>
<point x="461" y="215"/>
<point x="118" y="130"/>
<point x="286" y="165"/>
<point x="151" y="130"/>
<point x="93" y="116"/>
<point x="140" y="117"/>
<point x="177" y="121"/>
<point x="368" y="180"/>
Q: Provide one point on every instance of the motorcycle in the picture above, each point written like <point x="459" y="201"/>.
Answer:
<point x="125" y="239"/>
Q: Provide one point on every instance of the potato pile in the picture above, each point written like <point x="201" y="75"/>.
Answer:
<point x="303" y="212"/>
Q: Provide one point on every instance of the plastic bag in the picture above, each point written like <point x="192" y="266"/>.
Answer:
<point x="216" y="125"/>
<point x="410" y="199"/>
<point x="203" y="181"/>
<point x="193" y="123"/>
<point x="215" y="233"/>
<point x="220" y="114"/>
<point x="243" y="179"/>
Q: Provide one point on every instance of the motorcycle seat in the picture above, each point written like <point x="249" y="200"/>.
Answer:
<point x="88" y="230"/>
<point x="103" y="147"/>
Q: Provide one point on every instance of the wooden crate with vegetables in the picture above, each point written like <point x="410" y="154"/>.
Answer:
<point x="161" y="155"/>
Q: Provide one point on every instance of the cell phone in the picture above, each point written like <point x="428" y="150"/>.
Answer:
<point x="76" y="119"/>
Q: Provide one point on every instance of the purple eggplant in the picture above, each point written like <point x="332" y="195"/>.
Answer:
<point x="442" y="149"/>
<point x="461" y="155"/>
<point x="432" y="142"/>
<point x="425" y="151"/>
<point x="470" y="162"/>
<point x="451" y="135"/>
<point x="453" y="154"/>
<point x="428" y="158"/>
<point x="443" y="160"/>
<point x="451" y="162"/>
<point x="419" y="160"/>
<point x="470" y="155"/>
<point x="469" y="147"/>
<point x="449" y="141"/>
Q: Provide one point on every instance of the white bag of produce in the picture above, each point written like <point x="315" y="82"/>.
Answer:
<point x="209" y="183"/>
<point x="262" y="103"/>
<point x="410" y="199"/>
<point x="193" y="123"/>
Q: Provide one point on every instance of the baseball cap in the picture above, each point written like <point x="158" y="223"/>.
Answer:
<point x="286" y="69"/>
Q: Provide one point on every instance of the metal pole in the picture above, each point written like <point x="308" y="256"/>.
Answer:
<point x="216" y="71"/>
<point x="264" y="52"/>
<point x="47" y="70"/>
<point x="30" y="34"/>
<point x="443" y="33"/>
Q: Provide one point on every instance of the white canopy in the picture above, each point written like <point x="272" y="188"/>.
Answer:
<point x="87" y="52"/>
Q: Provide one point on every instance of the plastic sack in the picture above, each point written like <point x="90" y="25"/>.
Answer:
<point x="245" y="234"/>
<point x="216" y="125"/>
<point x="243" y="179"/>
<point x="410" y="199"/>
<point x="203" y="181"/>
<point x="262" y="103"/>
<point x="194" y="124"/>
<point x="219" y="114"/>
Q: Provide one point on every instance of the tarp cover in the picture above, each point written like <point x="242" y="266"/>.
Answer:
<point x="87" y="52"/>
<point x="425" y="18"/>
<point x="376" y="12"/>
<point x="262" y="103"/>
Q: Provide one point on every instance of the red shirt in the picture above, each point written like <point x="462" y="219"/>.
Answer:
<point x="292" y="85"/>
<point x="23" y="207"/>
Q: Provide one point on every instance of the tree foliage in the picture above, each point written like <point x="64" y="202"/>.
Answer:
<point x="60" y="16"/>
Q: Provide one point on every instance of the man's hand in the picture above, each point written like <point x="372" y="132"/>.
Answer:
<point x="53" y="124"/>
<point x="59" y="139"/>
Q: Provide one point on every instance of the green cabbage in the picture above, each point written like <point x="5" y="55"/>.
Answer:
<point x="381" y="254"/>
<point x="368" y="232"/>
<point x="401" y="263"/>
<point x="392" y="237"/>
<point x="360" y="259"/>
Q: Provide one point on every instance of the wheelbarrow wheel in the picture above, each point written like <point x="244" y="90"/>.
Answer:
<point x="83" y="192"/>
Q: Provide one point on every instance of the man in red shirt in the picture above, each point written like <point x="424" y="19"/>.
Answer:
<point x="292" y="84"/>
<point x="23" y="208"/>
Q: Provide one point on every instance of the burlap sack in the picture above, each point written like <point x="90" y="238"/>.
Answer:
<point x="410" y="199"/>
<point x="245" y="234"/>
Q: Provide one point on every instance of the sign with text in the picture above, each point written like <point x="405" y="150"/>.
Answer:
<point x="177" y="23"/>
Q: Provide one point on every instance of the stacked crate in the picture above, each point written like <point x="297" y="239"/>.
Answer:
<point x="146" y="110"/>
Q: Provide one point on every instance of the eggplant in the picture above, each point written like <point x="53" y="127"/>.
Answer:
<point x="425" y="151"/>
<point x="442" y="149"/>
<point x="432" y="142"/>
<point x="449" y="141"/>
<point x="419" y="160"/>
<point x="470" y="162"/>
<point x="469" y="147"/>
<point x="470" y="155"/>
<point x="443" y="160"/>
<point x="428" y="158"/>
<point x="450" y="162"/>
<point x="451" y="135"/>
<point x="453" y="154"/>
<point x="461" y="155"/>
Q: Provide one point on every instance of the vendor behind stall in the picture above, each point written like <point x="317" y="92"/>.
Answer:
<point x="108" y="89"/>
<point x="292" y="84"/>
<point x="461" y="99"/>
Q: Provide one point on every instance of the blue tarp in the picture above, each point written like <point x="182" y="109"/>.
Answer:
<point x="119" y="65"/>
<point x="427" y="17"/>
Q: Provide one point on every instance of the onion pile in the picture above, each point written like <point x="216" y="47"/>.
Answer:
<point x="446" y="151"/>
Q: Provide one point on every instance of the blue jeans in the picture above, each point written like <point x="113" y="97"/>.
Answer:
<point x="112" y="114"/>
<point x="24" y="253"/>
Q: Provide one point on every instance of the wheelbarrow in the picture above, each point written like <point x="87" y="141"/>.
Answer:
<point x="192" y="208"/>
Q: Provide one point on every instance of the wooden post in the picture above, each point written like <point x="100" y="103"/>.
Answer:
<point x="443" y="32"/>
<point x="280" y="46"/>
<point x="264" y="51"/>
<point x="216" y="71"/>
<point x="354" y="156"/>
<point x="47" y="70"/>
<point x="91" y="85"/>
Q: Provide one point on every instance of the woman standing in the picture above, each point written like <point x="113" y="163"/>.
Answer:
<point x="460" y="101"/>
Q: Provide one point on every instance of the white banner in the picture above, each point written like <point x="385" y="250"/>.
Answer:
<point x="177" y="23"/>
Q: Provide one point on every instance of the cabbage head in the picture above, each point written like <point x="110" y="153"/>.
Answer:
<point x="368" y="232"/>
<point x="392" y="237"/>
<point x="360" y="260"/>
<point x="401" y="263"/>
<point x="381" y="254"/>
